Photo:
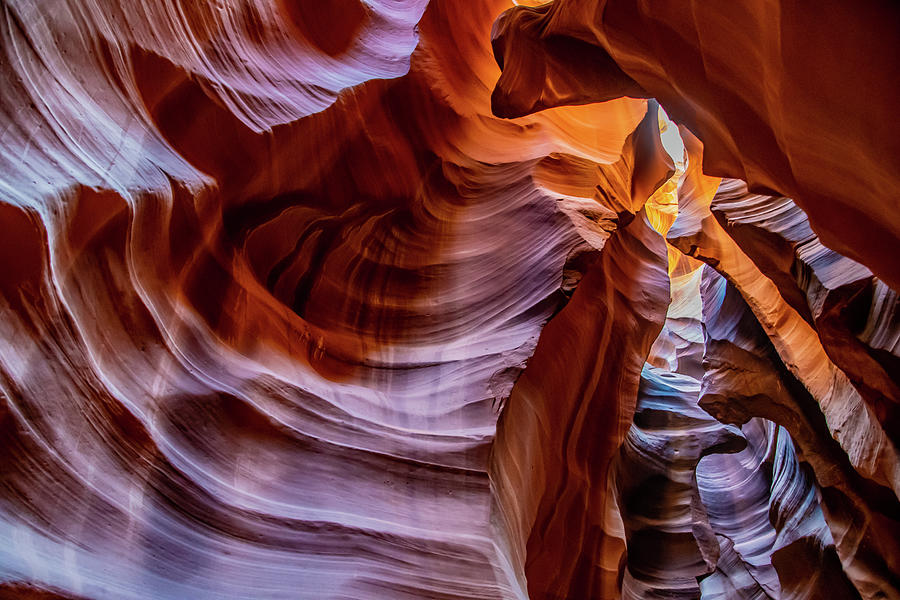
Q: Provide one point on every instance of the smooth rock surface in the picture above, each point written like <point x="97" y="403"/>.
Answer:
<point x="365" y="299"/>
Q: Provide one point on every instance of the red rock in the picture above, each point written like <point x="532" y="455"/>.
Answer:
<point x="300" y="300"/>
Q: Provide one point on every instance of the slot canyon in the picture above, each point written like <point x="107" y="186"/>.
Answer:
<point x="449" y="299"/>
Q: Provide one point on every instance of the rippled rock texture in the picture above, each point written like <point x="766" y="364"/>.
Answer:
<point x="430" y="299"/>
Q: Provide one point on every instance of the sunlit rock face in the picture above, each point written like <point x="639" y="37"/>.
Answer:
<point x="788" y="97"/>
<point x="429" y="299"/>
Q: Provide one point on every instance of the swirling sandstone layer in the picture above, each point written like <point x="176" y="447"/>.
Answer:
<point x="786" y="96"/>
<point x="290" y="308"/>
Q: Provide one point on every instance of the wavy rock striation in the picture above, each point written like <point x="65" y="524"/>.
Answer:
<point x="838" y="296"/>
<point x="317" y="300"/>
<point x="567" y="415"/>
<point x="274" y="365"/>
<point x="778" y="92"/>
<point x="669" y="537"/>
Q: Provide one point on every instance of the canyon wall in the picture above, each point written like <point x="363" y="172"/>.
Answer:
<point x="411" y="299"/>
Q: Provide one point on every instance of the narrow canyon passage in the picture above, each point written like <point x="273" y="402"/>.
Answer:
<point x="438" y="299"/>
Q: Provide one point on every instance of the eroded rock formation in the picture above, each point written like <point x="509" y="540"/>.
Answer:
<point x="429" y="299"/>
<point x="788" y="97"/>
